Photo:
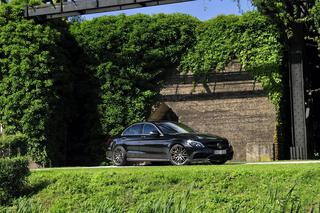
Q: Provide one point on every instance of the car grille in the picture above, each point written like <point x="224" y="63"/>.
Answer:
<point x="218" y="145"/>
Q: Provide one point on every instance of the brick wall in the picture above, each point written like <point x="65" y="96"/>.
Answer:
<point x="230" y="104"/>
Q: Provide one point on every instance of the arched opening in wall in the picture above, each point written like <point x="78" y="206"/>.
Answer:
<point x="162" y="112"/>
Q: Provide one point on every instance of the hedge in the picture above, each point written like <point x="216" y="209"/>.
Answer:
<point x="13" y="173"/>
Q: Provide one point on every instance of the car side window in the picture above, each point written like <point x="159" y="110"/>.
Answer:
<point x="167" y="129"/>
<point x="133" y="130"/>
<point x="147" y="128"/>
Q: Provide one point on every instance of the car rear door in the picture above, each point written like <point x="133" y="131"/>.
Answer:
<point x="131" y="138"/>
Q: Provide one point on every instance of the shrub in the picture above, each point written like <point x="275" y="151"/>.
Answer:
<point x="13" y="145"/>
<point x="13" y="172"/>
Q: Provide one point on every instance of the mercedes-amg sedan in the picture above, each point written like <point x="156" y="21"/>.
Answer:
<point x="167" y="142"/>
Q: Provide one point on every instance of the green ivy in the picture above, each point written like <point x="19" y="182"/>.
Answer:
<point x="250" y="38"/>
<point x="129" y="56"/>
<point x="67" y="86"/>
<point x="32" y="73"/>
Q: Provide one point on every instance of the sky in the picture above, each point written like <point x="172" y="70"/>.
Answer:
<point x="202" y="9"/>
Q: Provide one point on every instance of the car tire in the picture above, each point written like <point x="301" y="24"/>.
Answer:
<point x="217" y="162"/>
<point x="119" y="156"/>
<point x="179" y="155"/>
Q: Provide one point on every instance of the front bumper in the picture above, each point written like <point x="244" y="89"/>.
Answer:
<point x="207" y="153"/>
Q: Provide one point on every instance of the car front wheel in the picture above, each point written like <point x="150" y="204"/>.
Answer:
<point x="119" y="156"/>
<point x="179" y="155"/>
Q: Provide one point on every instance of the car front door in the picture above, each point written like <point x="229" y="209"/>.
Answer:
<point x="153" y="146"/>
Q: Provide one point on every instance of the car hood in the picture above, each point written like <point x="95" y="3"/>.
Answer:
<point x="201" y="137"/>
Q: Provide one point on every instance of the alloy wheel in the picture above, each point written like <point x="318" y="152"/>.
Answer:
<point x="179" y="155"/>
<point x="119" y="156"/>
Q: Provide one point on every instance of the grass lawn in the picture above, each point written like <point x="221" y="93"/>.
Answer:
<point x="198" y="188"/>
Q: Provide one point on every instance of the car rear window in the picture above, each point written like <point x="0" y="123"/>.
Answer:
<point x="133" y="130"/>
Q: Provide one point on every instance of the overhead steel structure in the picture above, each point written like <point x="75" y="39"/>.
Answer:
<point x="50" y="10"/>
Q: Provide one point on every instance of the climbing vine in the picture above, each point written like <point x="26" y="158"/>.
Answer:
<point x="69" y="85"/>
<point x="34" y="83"/>
<point x="250" y="38"/>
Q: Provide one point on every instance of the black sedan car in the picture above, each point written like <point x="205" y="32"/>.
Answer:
<point x="167" y="142"/>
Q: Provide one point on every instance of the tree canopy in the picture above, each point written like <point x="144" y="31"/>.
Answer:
<point x="285" y="13"/>
<point x="316" y="20"/>
<point x="294" y="18"/>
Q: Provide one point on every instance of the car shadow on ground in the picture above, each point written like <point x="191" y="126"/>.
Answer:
<point x="191" y="164"/>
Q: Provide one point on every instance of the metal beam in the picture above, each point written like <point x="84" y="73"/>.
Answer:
<point x="299" y="151"/>
<point x="81" y="7"/>
<point x="300" y="148"/>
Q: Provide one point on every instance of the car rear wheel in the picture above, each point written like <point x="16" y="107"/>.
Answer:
<point x="119" y="156"/>
<point x="179" y="155"/>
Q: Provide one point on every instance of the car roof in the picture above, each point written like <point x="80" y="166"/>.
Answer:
<point x="154" y="122"/>
<point x="161" y="122"/>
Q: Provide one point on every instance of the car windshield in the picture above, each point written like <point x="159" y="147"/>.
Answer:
<point x="174" y="128"/>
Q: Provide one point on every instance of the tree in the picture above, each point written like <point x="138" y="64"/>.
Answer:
<point x="316" y="19"/>
<point x="296" y="24"/>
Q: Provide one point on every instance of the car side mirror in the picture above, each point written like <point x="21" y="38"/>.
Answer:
<point x="154" y="134"/>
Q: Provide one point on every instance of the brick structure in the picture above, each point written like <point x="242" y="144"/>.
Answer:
<point x="231" y="104"/>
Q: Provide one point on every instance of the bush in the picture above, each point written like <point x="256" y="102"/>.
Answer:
<point x="13" y="145"/>
<point x="13" y="172"/>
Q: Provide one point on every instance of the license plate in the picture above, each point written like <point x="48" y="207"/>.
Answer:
<point x="220" y="152"/>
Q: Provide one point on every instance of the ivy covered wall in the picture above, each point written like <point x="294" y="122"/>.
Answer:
<point x="68" y="85"/>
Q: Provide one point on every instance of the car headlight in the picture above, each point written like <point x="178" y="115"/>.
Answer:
<point x="195" y="144"/>
<point x="219" y="145"/>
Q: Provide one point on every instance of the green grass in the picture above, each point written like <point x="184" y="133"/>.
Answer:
<point x="228" y="188"/>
